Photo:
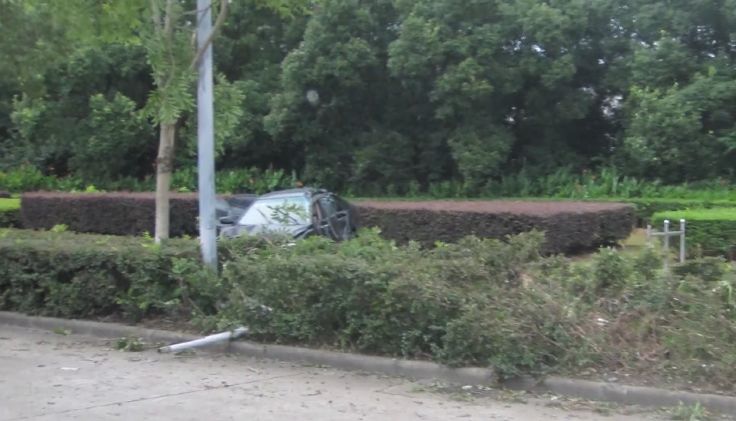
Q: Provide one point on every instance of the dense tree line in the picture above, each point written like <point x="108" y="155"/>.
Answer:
<point x="395" y="95"/>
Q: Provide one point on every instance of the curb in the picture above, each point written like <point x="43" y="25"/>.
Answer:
<point x="618" y="393"/>
<point x="585" y="389"/>
<point x="340" y="360"/>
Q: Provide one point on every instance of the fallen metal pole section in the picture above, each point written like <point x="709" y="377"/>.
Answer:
<point x="207" y="340"/>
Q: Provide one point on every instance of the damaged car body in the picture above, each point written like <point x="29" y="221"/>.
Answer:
<point x="297" y="213"/>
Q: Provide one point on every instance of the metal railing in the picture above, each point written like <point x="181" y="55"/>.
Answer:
<point x="666" y="234"/>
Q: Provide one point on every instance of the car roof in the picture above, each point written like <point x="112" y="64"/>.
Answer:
<point x="305" y="191"/>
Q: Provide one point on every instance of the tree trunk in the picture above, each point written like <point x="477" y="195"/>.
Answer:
<point x="164" y="169"/>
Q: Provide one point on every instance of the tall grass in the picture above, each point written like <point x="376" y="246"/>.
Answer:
<point x="561" y="183"/>
<point x="245" y="180"/>
<point x="605" y="183"/>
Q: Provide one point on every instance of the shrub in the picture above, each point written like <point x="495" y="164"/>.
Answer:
<point x="458" y="303"/>
<point x="569" y="226"/>
<point x="107" y="213"/>
<point x="80" y="275"/>
<point x="475" y="302"/>
<point x="9" y="213"/>
<point x="485" y="302"/>
<point x="711" y="230"/>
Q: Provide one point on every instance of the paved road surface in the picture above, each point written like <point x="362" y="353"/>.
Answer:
<point x="47" y="376"/>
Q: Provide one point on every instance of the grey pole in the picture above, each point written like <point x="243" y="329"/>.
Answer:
<point x="682" y="241"/>
<point x="205" y="138"/>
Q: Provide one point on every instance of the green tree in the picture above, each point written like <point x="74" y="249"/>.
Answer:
<point x="61" y="119"/>
<point x="514" y="83"/>
<point x="334" y="88"/>
<point x="683" y="133"/>
<point x="164" y="29"/>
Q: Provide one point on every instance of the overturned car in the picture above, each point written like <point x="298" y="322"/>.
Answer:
<point x="298" y="213"/>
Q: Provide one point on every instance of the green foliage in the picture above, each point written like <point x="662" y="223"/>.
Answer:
<point x="236" y="181"/>
<point x="684" y="412"/>
<point x="252" y="180"/>
<point x="59" y="228"/>
<point x="673" y="132"/>
<point x="477" y="302"/>
<point x="119" y="135"/>
<point x="391" y="97"/>
<point x="648" y="207"/>
<point x="9" y="204"/>
<point x="130" y="344"/>
<point x="364" y="295"/>
<point x="710" y="231"/>
<point x="75" y="275"/>
<point x="9" y="213"/>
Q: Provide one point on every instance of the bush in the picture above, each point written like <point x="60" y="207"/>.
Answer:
<point x="486" y="303"/>
<point x="713" y="231"/>
<point x="459" y="303"/>
<point x="569" y="226"/>
<point x="107" y="213"/>
<point x="78" y="275"/>
<point x="9" y="213"/>
<point x="480" y="302"/>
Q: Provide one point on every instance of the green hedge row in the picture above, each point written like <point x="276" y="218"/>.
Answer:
<point x="107" y="213"/>
<point x="78" y="275"/>
<point x="647" y="207"/>
<point x="111" y="213"/>
<point x="569" y="226"/>
<point x="713" y="231"/>
<point x="476" y="302"/>
<point x="9" y="213"/>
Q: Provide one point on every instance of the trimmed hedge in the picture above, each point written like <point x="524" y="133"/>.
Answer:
<point x="107" y="213"/>
<point x="480" y="302"/>
<point x="569" y="226"/>
<point x="647" y="207"/>
<point x="9" y="213"/>
<point x="711" y="230"/>
<point x="83" y="275"/>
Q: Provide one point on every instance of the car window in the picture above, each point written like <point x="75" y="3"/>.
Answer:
<point x="328" y="205"/>
<point x="277" y="211"/>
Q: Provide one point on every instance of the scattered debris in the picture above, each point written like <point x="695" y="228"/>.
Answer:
<point x="62" y="331"/>
<point x="130" y="344"/>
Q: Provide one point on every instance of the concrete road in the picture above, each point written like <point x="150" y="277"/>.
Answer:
<point x="47" y="376"/>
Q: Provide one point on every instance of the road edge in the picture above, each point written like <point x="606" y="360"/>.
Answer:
<point x="585" y="389"/>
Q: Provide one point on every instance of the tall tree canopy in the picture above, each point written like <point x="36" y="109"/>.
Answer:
<point x="384" y="95"/>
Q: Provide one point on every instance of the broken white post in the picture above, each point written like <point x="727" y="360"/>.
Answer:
<point x="207" y="340"/>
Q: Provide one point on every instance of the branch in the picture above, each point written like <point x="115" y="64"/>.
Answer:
<point x="168" y="29"/>
<point x="218" y="23"/>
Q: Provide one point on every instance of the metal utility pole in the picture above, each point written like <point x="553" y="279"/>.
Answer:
<point x="205" y="138"/>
